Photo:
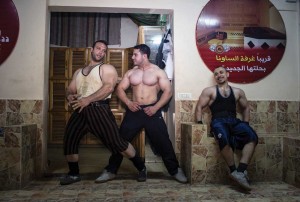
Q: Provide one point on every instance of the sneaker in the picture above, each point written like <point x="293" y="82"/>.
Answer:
<point x="69" y="179"/>
<point x="142" y="176"/>
<point x="246" y="175"/>
<point x="180" y="177"/>
<point x="241" y="179"/>
<point x="105" y="176"/>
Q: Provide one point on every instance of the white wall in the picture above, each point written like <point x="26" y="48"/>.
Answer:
<point x="129" y="33"/>
<point x="22" y="74"/>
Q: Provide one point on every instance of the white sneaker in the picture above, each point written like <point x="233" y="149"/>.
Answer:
<point x="246" y="175"/>
<point x="105" y="176"/>
<point x="241" y="179"/>
<point x="180" y="177"/>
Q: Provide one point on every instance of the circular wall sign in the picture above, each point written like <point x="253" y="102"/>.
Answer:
<point x="247" y="37"/>
<point x="9" y="28"/>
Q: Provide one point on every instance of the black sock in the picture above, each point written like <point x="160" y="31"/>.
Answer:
<point x="138" y="162"/>
<point x="242" y="167"/>
<point x="74" y="168"/>
<point x="232" y="168"/>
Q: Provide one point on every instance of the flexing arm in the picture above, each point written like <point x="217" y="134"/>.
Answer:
<point x="245" y="109"/>
<point x="165" y="86"/>
<point x="121" y="93"/>
<point x="203" y="101"/>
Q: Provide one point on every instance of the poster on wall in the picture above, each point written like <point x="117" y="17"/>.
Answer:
<point x="9" y="28"/>
<point x="247" y="37"/>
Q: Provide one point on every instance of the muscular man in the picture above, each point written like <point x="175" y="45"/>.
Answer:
<point x="230" y="132"/>
<point x="88" y="94"/>
<point x="144" y="111"/>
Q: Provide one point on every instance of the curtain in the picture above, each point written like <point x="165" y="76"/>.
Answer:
<point x="82" y="29"/>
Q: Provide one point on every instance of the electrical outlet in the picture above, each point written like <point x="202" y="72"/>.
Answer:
<point x="185" y="96"/>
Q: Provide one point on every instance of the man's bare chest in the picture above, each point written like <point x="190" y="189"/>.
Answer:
<point x="143" y="78"/>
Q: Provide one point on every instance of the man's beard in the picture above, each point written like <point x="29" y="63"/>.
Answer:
<point x="95" y="59"/>
<point x="136" y="63"/>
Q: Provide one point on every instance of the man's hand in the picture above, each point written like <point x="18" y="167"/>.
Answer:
<point x="81" y="103"/>
<point x="133" y="106"/>
<point x="150" y="111"/>
<point x="72" y="97"/>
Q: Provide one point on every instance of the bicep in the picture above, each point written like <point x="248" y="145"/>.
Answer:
<point x="124" y="84"/>
<point x="109" y="76"/>
<point x="243" y="102"/>
<point x="204" y="98"/>
<point x="164" y="82"/>
<point x="72" y="85"/>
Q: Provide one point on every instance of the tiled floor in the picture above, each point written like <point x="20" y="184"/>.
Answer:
<point x="157" y="188"/>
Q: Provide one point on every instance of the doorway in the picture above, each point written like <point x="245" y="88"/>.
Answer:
<point x="99" y="158"/>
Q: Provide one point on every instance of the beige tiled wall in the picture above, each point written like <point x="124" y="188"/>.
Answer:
<point x="21" y="142"/>
<point x="272" y="120"/>
<point x="291" y="160"/>
<point x="18" y="153"/>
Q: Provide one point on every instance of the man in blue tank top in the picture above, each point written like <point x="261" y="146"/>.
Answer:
<point x="230" y="132"/>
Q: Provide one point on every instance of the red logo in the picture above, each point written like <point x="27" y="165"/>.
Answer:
<point x="248" y="43"/>
<point x="9" y="28"/>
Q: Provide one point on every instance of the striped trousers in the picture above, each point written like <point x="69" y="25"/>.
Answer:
<point x="98" y="120"/>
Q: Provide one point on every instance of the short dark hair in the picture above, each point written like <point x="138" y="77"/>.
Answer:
<point x="220" y="67"/>
<point x="144" y="49"/>
<point x="100" y="41"/>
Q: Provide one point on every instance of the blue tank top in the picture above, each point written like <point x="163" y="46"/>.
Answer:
<point x="223" y="106"/>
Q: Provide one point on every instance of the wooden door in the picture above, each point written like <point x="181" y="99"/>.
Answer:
<point x="58" y="106"/>
<point x="63" y="63"/>
<point x="59" y="58"/>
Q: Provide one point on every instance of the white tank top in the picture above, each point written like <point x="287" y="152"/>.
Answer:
<point x="89" y="84"/>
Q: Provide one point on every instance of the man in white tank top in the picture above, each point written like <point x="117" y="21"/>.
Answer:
<point x="88" y="94"/>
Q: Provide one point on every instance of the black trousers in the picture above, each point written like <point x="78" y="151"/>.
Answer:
<point x="157" y="133"/>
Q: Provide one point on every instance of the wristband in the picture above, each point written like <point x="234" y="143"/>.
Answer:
<point x="199" y="122"/>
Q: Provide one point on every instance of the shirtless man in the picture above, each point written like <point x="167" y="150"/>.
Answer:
<point x="144" y="111"/>
<point x="230" y="132"/>
<point x="88" y="94"/>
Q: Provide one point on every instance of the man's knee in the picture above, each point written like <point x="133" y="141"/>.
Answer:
<point x="253" y="139"/>
<point x="129" y="152"/>
<point x="252" y="143"/>
<point x="222" y="141"/>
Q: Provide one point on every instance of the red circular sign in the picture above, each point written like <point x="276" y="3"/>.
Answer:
<point x="9" y="28"/>
<point x="247" y="37"/>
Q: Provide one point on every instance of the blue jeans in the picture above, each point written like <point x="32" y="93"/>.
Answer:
<point x="232" y="131"/>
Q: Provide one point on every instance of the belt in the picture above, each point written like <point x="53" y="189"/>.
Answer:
<point x="144" y="106"/>
<point x="100" y="102"/>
